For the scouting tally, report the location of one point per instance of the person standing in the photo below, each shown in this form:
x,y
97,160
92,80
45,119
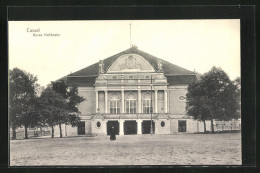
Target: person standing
x,y
112,135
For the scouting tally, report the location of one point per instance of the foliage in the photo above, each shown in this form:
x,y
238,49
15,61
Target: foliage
x,y
53,108
56,105
215,96
70,93
67,101
22,100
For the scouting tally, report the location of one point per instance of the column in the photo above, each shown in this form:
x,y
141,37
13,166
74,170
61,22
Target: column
x,y
139,102
104,129
165,101
121,127
155,100
139,126
123,101
106,102
96,101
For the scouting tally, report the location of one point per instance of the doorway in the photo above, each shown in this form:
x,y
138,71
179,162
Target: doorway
x,y
81,128
146,127
182,126
130,128
111,124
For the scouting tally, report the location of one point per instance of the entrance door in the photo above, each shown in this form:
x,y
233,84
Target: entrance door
x,y
110,124
81,128
146,127
182,126
130,127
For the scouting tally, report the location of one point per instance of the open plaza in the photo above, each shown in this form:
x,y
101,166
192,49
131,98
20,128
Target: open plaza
x,y
178,149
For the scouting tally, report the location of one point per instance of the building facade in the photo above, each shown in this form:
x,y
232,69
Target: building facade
x,y
134,92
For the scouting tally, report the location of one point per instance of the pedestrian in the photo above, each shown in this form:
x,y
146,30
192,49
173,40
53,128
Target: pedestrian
x,y
112,135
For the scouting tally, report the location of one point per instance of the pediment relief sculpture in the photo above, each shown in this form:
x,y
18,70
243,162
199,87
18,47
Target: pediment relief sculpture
x,y
130,63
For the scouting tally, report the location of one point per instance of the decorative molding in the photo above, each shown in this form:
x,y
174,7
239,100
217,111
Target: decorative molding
x,y
162,116
130,95
182,98
147,95
114,95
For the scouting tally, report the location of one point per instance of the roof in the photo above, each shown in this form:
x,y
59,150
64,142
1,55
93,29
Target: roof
x,y
168,68
175,74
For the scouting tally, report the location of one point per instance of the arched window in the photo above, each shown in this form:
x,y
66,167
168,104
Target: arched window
x,y
130,104
147,107
114,103
114,106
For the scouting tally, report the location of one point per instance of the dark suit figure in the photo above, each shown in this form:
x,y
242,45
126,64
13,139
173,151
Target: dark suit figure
x,y
113,136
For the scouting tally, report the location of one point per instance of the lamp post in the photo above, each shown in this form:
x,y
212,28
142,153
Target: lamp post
x,y
151,108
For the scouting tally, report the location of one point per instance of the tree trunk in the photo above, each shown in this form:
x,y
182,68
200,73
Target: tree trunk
x,y
60,130
25,132
14,132
212,126
204,126
52,132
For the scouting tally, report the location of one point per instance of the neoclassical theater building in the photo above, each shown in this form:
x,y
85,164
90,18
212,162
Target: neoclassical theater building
x,y
133,91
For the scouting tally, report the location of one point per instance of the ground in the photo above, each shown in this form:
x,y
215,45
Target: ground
x,y
179,149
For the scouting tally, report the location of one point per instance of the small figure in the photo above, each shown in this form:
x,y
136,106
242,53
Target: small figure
x,y
160,64
112,135
101,67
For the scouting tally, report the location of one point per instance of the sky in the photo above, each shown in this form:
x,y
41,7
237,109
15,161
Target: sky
x,y
191,44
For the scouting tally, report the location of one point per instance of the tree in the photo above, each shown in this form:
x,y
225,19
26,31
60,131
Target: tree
x,y
70,94
22,100
53,108
197,103
215,96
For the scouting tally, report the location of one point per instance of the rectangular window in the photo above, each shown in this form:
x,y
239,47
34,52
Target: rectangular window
x,y
182,125
114,106
147,108
130,106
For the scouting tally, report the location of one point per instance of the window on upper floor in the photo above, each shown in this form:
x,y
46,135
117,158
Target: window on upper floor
x,y
115,106
130,106
147,107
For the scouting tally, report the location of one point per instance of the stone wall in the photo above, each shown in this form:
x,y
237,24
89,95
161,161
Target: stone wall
x,y
175,105
191,125
102,130
88,106
162,130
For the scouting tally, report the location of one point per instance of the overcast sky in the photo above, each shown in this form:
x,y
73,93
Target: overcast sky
x,y
191,44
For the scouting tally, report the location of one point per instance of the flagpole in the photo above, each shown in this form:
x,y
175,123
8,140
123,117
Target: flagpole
x,y
130,35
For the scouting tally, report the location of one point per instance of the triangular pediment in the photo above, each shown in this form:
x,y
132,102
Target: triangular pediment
x,y
130,63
